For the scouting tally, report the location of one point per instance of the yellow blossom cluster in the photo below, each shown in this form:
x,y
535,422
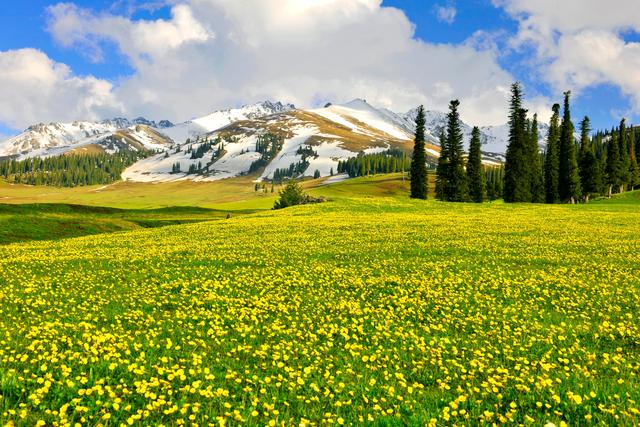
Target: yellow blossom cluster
x,y
353,312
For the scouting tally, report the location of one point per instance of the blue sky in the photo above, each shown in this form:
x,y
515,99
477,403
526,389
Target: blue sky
x,y
25,25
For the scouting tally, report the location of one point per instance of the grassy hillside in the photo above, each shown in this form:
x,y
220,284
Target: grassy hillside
x,y
378,311
629,198
55,221
233,193
228,194
49,213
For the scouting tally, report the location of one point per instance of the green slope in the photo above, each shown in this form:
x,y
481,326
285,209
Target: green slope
x,y
55,221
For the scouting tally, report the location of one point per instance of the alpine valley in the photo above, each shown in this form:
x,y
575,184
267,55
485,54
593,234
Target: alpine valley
x,y
264,139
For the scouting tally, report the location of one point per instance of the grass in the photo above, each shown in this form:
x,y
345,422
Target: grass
x,y
24,222
387,185
229,194
367,310
233,194
50,213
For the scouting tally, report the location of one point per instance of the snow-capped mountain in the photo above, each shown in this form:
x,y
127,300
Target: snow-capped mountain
x,y
308,141
219,119
58,138
263,139
494,138
110,136
121,123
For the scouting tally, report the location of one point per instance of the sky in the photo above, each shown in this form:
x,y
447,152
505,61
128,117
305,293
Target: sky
x,y
179,59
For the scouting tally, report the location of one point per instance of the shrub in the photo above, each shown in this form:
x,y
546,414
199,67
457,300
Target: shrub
x,y
293,195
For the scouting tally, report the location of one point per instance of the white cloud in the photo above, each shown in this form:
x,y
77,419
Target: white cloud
x,y
217,53
446,14
220,53
140,41
34,88
574,15
580,43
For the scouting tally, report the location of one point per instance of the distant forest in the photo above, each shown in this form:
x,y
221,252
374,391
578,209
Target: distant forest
x,y
70,170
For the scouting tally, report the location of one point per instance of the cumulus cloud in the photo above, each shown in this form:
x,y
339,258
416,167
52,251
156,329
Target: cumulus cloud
x,y
580,43
446,14
34,88
140,41
217,53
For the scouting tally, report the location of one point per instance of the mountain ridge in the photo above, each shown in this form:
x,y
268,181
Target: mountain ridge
x,y
225,143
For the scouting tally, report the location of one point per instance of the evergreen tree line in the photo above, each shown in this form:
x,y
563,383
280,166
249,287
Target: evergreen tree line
x,y
569,171
494,178
615,153
294,170
268,145
453,184
206,147
195,168
523,170
389,161
307,151
70,170
457,180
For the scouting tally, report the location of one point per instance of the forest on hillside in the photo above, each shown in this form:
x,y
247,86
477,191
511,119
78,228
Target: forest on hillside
x,y
70,170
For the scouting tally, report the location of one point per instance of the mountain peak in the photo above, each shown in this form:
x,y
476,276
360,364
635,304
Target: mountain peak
x,y
277,106
357,103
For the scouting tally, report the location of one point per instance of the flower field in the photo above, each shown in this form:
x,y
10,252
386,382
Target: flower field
x,y
364,311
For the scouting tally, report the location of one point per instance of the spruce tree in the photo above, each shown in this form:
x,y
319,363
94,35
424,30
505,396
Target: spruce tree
x,y
475,171
625,163
569,177
590,176
456,189
517,181
612,168
537,184
441,169
419,161
552,158
634,171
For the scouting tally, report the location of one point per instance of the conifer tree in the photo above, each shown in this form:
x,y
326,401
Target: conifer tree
x,y
495,182
590,176
625,163
552,158
419,161
613,164
517,181
537,184
475,171
634,171
441,169
456,188
569,177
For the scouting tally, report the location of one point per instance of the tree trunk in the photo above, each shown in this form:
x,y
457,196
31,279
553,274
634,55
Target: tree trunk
x,y
610,190
622,189
586,198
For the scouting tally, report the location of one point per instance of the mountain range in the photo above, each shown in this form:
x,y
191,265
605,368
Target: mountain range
x,y
226,143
